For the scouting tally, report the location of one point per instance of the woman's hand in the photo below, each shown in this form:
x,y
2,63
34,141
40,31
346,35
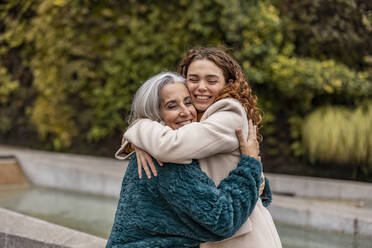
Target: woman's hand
x,y
262,186
144,160
250,146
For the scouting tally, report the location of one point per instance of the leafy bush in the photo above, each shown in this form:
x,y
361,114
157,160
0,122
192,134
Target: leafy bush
x,y
340,135
289,86
88,58
332,29
69,68
7,88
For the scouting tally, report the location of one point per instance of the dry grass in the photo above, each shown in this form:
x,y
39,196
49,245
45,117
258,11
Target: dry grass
x,y
339,135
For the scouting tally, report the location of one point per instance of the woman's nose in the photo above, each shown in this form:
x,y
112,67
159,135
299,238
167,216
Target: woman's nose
x,y
202,86
185,111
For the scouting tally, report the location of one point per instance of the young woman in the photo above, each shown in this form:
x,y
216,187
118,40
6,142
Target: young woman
x,y
223,99
181,207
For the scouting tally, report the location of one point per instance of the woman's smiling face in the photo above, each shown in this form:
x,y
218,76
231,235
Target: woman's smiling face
x,y
205,80
176,108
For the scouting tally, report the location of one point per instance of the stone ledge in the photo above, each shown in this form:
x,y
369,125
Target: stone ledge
x,y
319,187
11,173
89,174
322,216
17,231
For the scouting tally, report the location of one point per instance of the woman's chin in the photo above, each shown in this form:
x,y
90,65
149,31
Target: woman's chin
x,y
201,107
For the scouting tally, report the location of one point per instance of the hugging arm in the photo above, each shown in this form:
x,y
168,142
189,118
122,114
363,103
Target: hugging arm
x,y
192,141
266,196
220,211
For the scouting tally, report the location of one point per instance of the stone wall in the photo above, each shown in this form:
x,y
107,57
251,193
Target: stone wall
x,y
18,231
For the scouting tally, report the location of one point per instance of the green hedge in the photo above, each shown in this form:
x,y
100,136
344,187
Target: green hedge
x,y
336,29
69,68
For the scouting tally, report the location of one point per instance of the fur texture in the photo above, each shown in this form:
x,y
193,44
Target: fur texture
x,y
182,207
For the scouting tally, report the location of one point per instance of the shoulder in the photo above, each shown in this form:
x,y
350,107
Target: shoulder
x,y
225,105
183,175
229,113
183,171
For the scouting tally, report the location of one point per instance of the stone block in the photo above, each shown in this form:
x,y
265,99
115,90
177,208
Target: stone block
x,y
2,239
11,173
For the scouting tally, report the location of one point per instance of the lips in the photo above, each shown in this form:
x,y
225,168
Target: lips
x,y
182,123
202,98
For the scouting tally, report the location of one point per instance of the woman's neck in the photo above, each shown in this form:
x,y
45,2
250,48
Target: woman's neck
x,y
199,115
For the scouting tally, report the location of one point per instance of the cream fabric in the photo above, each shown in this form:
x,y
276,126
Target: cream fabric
x,y
214,143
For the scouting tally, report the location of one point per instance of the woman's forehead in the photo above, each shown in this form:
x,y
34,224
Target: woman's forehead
x,y
204,67
174,90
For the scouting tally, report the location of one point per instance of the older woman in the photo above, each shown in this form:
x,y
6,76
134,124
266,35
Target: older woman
x,y
181,207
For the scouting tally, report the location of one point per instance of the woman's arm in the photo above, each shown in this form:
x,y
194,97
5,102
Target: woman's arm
x,y
220,211
266,196
215,134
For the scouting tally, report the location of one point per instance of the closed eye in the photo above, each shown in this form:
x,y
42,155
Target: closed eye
x,y
187,100
212,79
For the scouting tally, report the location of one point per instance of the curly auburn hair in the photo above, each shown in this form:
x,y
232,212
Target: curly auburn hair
x,y
236,86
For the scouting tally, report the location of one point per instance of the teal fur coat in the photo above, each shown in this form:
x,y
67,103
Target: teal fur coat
x,y
182,207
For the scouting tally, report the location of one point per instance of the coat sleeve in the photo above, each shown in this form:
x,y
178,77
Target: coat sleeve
x,y
215,134
266,196
220,211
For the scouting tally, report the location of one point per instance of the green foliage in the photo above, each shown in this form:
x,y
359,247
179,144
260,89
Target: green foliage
x,y
340,135
144,51
288,86
69,68
88,58
338,29
255,30
310,79
7,88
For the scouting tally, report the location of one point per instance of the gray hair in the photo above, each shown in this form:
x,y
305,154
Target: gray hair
x,y
146,102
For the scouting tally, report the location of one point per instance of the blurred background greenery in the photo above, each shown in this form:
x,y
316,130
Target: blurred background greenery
x,y
69,69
